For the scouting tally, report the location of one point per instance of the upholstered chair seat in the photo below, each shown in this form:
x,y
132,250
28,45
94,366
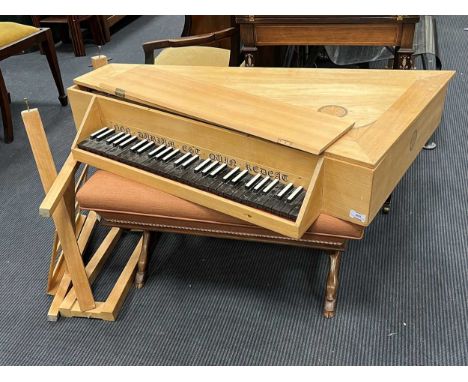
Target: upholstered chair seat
x,y
12,32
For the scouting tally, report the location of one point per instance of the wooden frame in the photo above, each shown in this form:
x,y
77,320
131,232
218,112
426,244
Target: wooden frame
x,y
44,39
215,39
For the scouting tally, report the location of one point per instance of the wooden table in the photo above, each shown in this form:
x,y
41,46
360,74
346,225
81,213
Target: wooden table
x,y
396,31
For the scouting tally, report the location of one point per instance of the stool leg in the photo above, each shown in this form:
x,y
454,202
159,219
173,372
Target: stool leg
x,y
332,284
140,276
386,205
6,111
49,49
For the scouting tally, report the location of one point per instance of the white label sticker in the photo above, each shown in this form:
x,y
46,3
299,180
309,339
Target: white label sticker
x,y
356,215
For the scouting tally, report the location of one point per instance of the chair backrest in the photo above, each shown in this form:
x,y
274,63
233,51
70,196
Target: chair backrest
x,y
217,39
193,56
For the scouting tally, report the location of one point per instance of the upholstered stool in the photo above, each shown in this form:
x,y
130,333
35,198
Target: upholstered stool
x,y
194,56
124,203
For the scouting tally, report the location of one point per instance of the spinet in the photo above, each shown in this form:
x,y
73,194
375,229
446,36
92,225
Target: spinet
x,y
275,147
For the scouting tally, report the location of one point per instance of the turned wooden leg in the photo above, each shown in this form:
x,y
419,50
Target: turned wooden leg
x,y
250,56
148,239
332,284
403,59
6,111
49,49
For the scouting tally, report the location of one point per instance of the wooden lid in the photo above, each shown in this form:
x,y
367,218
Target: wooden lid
x,y
160,87
287,104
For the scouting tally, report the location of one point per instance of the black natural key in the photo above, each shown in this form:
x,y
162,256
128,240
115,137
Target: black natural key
x,y
273,203
213,181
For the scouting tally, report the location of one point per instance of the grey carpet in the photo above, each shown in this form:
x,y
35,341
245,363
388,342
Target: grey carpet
x,y
404,287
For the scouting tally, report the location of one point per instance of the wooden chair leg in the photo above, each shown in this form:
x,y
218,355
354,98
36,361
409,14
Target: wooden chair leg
x,y
104,28
6,111
36,21
49,49
76,36
332,284
96,30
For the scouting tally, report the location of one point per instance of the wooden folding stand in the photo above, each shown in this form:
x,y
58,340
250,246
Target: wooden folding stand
x,y
73,231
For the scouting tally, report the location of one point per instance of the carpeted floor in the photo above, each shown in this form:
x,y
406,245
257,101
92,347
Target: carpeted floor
x,y
404,287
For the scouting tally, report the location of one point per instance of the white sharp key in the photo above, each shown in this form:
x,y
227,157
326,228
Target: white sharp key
x,y
96,133
270,186
294,193
239,176
170,155
127,141
151,153
209,167
251,182
217,169
284,190
116,142
145,147
202,164
114,137
163,153
182,158
190,161
261,183
230,173
105,134
139,144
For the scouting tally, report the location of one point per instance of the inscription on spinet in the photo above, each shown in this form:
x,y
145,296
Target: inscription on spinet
x,y
254,169
119,128
190,149
223,159
231,162
156,139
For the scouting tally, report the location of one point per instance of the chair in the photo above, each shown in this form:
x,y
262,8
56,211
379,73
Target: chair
x,y
14,39
199,50
73,26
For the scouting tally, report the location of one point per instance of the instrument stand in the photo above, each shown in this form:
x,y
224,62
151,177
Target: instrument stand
x,y
69,281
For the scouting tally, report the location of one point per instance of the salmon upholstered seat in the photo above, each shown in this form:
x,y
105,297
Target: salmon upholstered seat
x,y
123,202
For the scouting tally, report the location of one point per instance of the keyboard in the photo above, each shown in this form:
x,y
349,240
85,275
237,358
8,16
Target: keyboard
x,y
234,183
